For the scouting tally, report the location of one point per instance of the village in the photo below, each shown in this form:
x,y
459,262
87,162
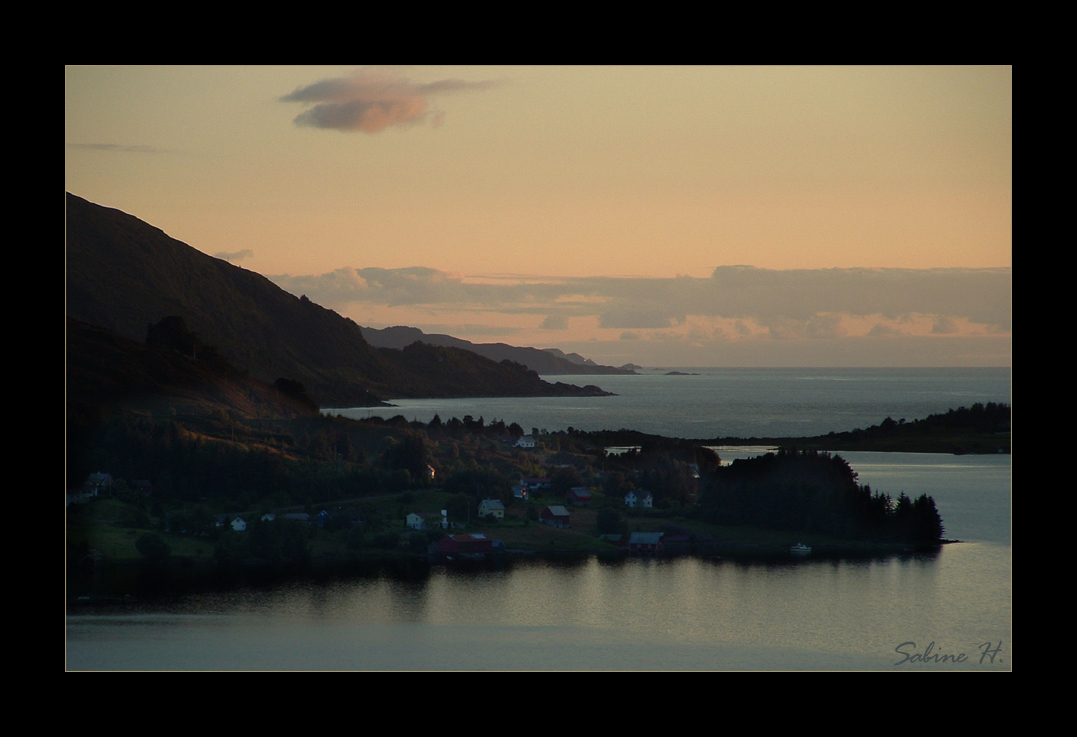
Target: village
x,y
535,519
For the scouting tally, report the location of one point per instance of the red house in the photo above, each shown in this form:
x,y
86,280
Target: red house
x,y
556,516
464,544
646,542
579,496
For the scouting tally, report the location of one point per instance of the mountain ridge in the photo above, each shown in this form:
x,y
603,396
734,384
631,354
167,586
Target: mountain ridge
x,y
546,361
124,274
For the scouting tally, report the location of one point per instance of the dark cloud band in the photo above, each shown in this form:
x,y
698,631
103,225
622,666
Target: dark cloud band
x,y
810,298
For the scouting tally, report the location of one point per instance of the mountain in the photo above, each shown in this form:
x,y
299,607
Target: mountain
x,y
124,275
549,361
106,370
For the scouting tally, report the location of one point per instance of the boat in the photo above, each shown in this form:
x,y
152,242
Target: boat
x,y
800,549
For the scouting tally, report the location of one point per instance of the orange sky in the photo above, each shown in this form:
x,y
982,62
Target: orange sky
x,y
560,172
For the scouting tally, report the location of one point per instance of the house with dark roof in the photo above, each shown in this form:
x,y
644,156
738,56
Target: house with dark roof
x,y
645,542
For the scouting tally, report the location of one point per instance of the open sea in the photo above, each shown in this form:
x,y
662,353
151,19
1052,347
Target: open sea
x,y
946,611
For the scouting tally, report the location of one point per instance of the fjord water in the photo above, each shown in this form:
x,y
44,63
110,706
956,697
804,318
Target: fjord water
x,y
677,614
712,403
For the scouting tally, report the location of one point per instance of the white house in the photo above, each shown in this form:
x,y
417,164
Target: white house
x,y
644,499
239,524
492,507
525,441
414,521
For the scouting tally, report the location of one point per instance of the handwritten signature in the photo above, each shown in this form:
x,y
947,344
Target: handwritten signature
x,y
932,654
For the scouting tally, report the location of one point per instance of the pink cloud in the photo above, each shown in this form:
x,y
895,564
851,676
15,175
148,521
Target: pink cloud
x,y
372,101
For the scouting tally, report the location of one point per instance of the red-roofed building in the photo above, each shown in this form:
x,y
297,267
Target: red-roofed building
x,y
463,544
556,516
579,496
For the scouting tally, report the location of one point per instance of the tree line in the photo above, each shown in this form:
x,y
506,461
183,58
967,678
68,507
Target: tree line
x,y
814,492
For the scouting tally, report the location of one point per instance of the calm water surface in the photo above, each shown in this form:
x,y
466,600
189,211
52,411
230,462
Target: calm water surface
x,y
682,614
730,402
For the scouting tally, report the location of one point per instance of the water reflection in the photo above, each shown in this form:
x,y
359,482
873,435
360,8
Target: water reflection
x,y
649,614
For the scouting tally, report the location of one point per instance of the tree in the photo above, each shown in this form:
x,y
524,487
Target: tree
x,y
609,521
480,484
564,479
265,541
459,507
616,486
409,454
928,523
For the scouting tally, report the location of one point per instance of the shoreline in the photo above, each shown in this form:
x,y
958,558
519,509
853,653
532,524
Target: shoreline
x,y
135,582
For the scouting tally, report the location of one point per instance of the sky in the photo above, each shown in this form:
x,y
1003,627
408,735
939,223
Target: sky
x,y
663,216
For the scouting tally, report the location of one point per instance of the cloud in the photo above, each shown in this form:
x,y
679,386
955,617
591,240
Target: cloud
x,y
373,101
944,326
234,256
883,331
825,326
117,147
981,295
627,318
895,351
749,302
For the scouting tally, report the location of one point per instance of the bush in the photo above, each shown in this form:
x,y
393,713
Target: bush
x,y
387,541
610,522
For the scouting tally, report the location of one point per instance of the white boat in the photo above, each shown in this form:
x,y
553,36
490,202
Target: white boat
x,y
800,549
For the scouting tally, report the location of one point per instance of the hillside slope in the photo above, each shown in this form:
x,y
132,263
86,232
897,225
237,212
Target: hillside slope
x,y
545,361
124,274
